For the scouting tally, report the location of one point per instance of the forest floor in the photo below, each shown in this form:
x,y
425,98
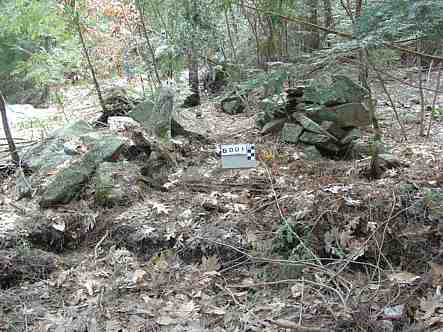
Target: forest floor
x,y
299,245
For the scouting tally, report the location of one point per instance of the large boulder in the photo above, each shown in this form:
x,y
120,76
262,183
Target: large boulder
x,y
51,153
68,180
344,116
155,117
342,90
184,123
291,133
71,130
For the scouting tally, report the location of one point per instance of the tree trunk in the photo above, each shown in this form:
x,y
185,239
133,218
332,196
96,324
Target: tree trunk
x,y
231,42
88,59
192,53
312,42
363,68
12,149
329,18
193,75
148,42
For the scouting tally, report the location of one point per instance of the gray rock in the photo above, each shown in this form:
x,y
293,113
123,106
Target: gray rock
x,y
352,135
66,184
47,155
346,115
106,148
142,112
333,129
232,105
71,148
291,133
352,115
360,148
116,184
342,90
121,123
314,139
183,123
273,126
73,129
155,117
312,126
312,153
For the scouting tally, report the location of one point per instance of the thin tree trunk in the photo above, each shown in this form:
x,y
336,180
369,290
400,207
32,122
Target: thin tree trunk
x,y
231,42
88,59
385,89
148,41
12,149
313,40
194,84
193,75
434,101
329,18
363,68
421,115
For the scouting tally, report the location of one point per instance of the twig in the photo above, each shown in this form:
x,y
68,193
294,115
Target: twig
x,y
351,258
291,281
295,327
227,290
284,219
301,301
383,85
99,244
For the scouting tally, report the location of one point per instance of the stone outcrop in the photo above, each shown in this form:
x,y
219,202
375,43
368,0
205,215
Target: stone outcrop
x,y
325,117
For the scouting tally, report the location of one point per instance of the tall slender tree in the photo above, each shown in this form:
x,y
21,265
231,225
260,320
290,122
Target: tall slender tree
x,y
11,145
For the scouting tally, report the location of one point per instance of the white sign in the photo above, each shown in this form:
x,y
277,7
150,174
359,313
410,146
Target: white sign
x,y
238,156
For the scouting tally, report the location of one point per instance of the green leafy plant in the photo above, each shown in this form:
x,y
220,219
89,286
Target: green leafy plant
x,y
437,113
288,240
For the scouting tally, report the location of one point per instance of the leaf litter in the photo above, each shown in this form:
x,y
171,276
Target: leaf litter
x,y
291,245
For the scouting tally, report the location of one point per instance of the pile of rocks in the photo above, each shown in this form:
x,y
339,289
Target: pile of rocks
x,y
117,103
326,118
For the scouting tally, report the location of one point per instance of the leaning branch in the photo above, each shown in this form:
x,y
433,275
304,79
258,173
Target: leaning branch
x,y
342,34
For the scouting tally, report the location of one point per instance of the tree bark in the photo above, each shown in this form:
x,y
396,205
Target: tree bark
x,y
194,84
329,18
363,68
313,40
12,148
